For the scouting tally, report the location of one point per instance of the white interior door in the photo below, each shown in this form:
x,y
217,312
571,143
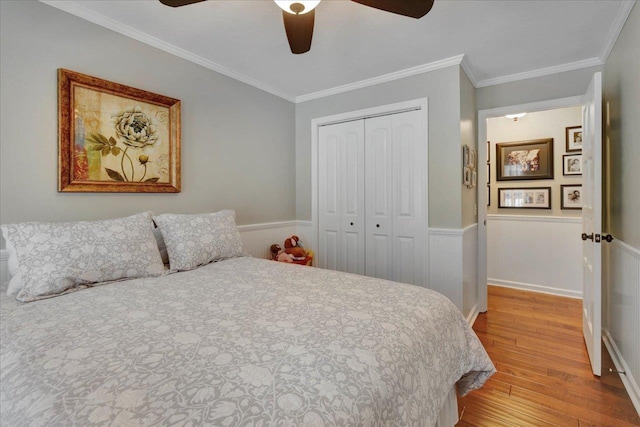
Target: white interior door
x,y
341,217
395,168
592,221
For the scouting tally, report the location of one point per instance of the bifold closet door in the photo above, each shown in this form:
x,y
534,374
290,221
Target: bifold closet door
x,y
395,197
341,197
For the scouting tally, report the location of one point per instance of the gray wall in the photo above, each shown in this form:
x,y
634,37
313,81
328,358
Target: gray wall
x,y
468,133
622,100
555,86
442,87
237,141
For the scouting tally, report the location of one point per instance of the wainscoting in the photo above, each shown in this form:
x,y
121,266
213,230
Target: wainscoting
x,y
621,299
535,253
453,266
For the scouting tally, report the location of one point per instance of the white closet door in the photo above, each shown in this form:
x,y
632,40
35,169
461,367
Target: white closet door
x,y
378,197
341,197
395,197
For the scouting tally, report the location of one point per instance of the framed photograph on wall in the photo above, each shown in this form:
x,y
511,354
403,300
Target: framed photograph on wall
x,y
114,138
525,198
572,164
574,138
466,177
524,160
570,197
466,156
488,195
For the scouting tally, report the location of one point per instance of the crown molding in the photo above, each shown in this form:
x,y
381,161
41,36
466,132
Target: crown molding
x,y
396,75
466,66
586,63
616,29
76,9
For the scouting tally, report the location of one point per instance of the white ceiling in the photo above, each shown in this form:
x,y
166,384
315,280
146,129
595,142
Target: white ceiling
x,y
354,45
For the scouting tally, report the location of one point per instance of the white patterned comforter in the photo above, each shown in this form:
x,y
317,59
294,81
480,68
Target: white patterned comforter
x,y
238,342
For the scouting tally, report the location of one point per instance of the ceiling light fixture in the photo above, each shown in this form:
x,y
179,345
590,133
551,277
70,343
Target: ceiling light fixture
x,y
515,117
299,7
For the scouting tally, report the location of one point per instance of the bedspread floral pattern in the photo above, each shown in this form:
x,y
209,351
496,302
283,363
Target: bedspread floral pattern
x,y
239,342
198,239
61,257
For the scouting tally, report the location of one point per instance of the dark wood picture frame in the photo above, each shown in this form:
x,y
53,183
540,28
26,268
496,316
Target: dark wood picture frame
x,y
114,138
524,198
572,164
573,138
570,196
524,160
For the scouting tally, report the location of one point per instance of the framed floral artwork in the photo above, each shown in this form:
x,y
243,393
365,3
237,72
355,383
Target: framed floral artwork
x,y
524,160
116,138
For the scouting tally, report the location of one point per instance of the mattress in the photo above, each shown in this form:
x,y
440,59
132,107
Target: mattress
x,y
243,341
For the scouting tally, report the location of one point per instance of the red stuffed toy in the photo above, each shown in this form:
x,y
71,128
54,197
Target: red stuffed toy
x,y
295,249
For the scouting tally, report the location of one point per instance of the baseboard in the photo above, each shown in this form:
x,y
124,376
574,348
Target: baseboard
x,y
535,288
630,384
473,315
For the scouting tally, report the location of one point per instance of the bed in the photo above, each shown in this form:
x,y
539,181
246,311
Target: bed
x,y
237,341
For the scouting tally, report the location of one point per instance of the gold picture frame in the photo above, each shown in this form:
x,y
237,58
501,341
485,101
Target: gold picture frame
x,y
114,138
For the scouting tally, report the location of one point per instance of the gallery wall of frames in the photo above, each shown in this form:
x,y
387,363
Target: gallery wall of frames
x,y
534,163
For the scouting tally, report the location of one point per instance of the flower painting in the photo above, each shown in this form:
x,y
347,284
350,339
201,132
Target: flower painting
x,y
114,138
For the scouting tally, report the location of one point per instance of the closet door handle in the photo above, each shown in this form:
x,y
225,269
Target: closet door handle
x,y
377,225
351,223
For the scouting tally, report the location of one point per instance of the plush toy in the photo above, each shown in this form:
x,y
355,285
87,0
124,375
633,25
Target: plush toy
x,y
277,254
293,247
275,251
284,257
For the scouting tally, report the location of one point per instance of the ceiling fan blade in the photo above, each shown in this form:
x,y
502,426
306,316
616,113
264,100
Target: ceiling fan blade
x,y
178,3
299,30
412,8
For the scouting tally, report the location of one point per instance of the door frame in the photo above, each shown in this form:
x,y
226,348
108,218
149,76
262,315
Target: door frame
x,y
421,104
483,115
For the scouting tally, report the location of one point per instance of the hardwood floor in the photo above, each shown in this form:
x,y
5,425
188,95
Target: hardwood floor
x,y
544,377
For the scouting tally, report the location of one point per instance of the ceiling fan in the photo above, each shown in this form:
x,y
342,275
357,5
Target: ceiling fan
x,y
299,15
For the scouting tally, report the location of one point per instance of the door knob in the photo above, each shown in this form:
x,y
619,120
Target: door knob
x,y
586,236
377,225
607,237
351,223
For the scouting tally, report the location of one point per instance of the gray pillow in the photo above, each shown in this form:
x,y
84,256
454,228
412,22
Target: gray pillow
x,y
195,240
56,258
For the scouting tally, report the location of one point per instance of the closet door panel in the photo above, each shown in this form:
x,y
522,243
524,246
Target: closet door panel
x,y
352,197
328,198
341,197
409,193
378,170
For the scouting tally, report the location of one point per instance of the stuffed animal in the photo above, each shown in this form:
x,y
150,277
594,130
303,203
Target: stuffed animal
x,y
277,254
275,251
284,257
293,247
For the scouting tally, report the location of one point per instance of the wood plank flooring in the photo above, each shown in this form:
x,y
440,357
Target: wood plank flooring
x,y
544,377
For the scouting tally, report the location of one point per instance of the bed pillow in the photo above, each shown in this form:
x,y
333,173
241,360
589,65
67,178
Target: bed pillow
x,y
195,240
56,258
161,246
